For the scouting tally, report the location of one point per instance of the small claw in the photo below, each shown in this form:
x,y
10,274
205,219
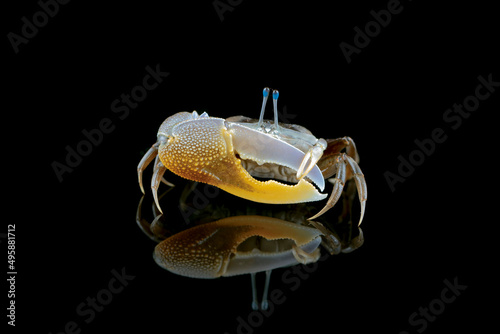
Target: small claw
x,y
311,158
145,161
338,186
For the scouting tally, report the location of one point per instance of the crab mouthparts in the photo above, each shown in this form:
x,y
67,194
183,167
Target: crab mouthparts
x,y
264,148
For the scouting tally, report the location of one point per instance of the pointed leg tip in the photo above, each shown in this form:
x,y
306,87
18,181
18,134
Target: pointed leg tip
x,y
315,216
155,195
139,177
363,204
170,184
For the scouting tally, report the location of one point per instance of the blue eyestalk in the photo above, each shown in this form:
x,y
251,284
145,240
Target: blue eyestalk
x,y
265,94
276,93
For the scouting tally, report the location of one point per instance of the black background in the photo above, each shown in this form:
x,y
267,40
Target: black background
x,y
436,225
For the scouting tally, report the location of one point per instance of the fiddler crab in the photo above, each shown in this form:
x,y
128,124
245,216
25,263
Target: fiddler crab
x,y
227,153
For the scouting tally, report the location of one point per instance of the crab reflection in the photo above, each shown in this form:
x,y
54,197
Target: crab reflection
x,y
221,241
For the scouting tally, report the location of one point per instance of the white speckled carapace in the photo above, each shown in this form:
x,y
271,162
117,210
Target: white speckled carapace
x,y
238,245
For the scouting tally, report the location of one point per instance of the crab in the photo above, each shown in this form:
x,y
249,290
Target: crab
x,y
229,153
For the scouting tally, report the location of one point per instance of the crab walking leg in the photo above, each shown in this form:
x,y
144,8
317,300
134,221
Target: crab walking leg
x,y
355,243
159,170
330,154
170,184
333,149
145,161
338,185
359,178
351,149
334,246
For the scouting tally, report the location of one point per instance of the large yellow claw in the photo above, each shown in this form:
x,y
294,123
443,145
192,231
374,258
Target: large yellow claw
x,y
201,149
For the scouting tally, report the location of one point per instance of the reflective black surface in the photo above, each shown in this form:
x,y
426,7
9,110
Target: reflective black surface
x,y
87,93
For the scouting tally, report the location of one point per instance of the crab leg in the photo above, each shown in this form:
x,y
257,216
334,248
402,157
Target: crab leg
x,y
145,161
159,170
351,149
338,185
334,147
339,181
334,246
359,178
355,243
